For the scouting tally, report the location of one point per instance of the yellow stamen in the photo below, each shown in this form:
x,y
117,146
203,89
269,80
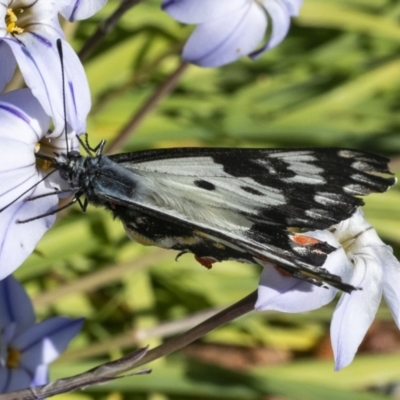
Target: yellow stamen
x,y
13,356
46,164
11,22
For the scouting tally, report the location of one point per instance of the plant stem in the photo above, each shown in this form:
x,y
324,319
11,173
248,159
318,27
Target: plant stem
x,y
105,28
178,342
113,369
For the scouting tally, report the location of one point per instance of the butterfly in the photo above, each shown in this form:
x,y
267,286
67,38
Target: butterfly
x,y
249,205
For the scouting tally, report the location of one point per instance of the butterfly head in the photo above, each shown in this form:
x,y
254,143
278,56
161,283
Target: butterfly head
x,y
70,166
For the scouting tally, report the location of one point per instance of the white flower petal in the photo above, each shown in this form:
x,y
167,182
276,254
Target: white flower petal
x,y
356,311
45,29
74,10
34,12
391,280
199,11
222,41
17,170
24,124
355,227
44,342
17,241
7,65
293,6
39,62
15,306
22,118
3,11
280,18
287,294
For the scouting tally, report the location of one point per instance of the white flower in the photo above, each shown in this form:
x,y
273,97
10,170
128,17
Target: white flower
x,y
229,29
28,34
376,272
363,261
74,10
23,128
27,348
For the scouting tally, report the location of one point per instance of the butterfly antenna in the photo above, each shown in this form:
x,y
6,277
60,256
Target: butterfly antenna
x,y
60,53
27,190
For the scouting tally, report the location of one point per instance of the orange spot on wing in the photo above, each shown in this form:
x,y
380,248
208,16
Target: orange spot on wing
x,y
304,240
205,261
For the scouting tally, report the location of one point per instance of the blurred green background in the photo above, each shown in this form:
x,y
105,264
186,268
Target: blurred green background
x,y
334,81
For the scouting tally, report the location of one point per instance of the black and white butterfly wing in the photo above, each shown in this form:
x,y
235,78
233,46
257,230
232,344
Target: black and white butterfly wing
x,y
305,188
242,200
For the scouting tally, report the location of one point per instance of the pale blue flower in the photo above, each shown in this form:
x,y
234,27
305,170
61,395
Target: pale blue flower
x,y
362,260
28,34
27,348
229,29
23,129
74,10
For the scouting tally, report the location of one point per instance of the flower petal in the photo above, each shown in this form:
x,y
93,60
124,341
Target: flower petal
x,y
199,11
293,6
36,13
17,170
391,280
355,232
4,379
80,9
219,42
3,13
280,18
22,118
15,306
24,123
356,311
41,375
17,240
18,379
39,61
287,294
7,65
44,342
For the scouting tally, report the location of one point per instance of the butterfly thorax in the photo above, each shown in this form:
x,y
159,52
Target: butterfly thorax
x,y
77,170
98,178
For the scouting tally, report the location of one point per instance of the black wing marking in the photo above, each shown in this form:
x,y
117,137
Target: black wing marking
x,y
303,188
154,227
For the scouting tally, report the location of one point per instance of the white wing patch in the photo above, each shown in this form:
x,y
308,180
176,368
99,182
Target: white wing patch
x,y
221,206
302,164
